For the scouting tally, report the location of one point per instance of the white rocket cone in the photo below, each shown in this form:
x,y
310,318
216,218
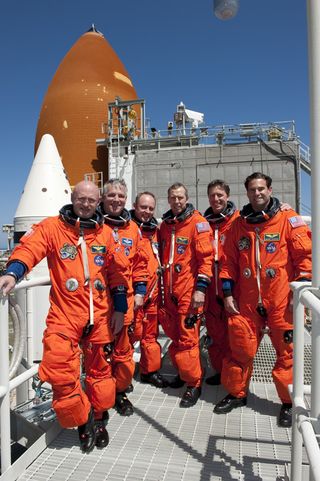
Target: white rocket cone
x,y
47,188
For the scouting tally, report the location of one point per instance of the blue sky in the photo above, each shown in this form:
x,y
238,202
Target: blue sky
x,y
250,69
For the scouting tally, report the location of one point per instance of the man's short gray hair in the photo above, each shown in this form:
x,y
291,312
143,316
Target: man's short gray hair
x,y
114,182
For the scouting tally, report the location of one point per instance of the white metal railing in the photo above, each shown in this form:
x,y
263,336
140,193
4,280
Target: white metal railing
x,y
235,133
304,151
304,428
6,386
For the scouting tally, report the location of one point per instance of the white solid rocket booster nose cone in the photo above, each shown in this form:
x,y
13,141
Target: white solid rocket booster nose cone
x,y
47,188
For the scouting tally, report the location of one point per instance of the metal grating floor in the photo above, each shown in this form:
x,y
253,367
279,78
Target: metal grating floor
x,y
162,442
266,357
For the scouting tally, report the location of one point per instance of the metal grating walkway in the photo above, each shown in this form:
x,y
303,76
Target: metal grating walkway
x,y
162,442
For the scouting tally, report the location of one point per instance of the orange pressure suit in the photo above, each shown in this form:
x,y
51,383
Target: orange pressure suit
x,y
83,269
186,246
263,253
127,239
216,319
146,318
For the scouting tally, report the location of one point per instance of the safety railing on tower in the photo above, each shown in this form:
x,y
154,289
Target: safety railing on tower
x,y
7,385
305,427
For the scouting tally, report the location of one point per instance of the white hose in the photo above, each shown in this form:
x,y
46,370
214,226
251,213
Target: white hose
x,y
19,332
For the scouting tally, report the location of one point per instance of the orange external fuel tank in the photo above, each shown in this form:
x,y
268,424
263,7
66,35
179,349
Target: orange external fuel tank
x,y
76,104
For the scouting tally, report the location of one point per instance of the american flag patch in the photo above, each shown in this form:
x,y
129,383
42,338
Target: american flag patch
x,y
203,227
296,221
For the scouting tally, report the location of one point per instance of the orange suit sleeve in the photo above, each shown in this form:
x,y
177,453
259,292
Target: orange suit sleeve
x,y
34,245
203,242
299,246
140,263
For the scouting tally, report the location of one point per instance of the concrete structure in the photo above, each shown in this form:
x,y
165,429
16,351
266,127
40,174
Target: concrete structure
x,y
195,156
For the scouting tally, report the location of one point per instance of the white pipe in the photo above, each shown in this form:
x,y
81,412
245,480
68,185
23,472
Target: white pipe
x,y
37,281
15,382
297,393
315,378
313,9
19,346
18,339
3,391
305,295
309,439
309,299
306,389
29,315
4,382
311,446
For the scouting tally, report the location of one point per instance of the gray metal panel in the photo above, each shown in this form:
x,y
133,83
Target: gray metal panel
x,y
196,166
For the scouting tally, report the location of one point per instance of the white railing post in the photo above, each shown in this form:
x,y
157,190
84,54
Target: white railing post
x,y
315,378
298,370
313,9
4,382
5,385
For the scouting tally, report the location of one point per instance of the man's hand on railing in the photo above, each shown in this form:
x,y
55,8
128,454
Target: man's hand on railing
x,y
7,283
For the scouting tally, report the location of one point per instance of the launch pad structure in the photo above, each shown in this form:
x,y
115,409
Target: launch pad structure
x,y
188,152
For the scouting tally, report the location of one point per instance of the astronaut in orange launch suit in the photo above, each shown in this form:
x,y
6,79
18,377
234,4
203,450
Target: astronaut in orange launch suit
x,y
265,250
126,239
146,326
85,275
220,215
186,247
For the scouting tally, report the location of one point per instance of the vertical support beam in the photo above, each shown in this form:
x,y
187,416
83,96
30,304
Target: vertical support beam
x,y
4,381
313,9
298,383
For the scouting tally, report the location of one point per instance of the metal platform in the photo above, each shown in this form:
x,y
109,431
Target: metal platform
x,y
163,442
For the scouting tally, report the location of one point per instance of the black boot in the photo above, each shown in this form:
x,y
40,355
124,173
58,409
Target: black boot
x,y
129,389
229,403
285,416
177,382
123,405
214,380
87,435
190,397
154,378
102,436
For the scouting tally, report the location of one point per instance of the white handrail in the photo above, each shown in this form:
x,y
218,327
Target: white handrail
x,y
302,428
5,385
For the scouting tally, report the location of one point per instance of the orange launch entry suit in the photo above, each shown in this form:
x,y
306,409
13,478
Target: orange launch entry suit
x,y
186,246
127,239
263,253
146,329
83,269
216,318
